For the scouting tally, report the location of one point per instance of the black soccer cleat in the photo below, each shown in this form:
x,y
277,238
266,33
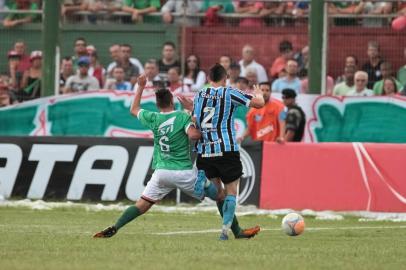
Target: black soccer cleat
x,y
106,233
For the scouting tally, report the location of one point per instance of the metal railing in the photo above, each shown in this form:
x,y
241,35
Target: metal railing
x,y
102,14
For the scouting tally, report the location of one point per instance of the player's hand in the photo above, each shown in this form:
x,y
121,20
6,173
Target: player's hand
x,y
142,80
186,102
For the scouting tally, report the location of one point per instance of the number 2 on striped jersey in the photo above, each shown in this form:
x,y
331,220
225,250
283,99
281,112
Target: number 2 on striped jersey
x,y
207,121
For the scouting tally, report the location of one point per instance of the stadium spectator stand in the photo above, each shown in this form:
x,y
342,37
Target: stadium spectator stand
x,y
353,27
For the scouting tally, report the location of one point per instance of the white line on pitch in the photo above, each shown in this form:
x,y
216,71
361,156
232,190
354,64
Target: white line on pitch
x,y
278,229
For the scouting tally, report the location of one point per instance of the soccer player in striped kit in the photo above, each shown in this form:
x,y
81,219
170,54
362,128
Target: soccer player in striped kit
x,y
172,162
218,150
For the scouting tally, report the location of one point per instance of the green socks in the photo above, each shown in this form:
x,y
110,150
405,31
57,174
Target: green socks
x,y
235,227
129,214
133,212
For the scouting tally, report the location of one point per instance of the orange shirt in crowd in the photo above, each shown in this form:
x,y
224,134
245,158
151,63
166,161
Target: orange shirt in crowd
x,y
263,124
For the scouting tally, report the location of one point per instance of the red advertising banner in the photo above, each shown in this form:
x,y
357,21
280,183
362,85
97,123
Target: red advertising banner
x,y
334,176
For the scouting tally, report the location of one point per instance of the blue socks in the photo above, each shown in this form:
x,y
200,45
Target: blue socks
x,y
210,190
228,212
199,190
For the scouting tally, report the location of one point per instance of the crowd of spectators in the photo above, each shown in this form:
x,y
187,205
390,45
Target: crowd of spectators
x,y
287,75
22,81
83,71
206,12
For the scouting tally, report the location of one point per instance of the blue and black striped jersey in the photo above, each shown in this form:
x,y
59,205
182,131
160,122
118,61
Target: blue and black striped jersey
x,y
214,110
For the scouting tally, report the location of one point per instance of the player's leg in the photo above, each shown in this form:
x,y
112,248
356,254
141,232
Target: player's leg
x,y
195,183
216,192
153,192
229,206
189,181
199,184
131,213
230,167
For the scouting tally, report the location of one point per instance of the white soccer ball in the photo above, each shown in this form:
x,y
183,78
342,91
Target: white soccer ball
x,y
293,224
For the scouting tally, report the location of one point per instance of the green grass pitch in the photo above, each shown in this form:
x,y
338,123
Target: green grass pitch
x,y
61,239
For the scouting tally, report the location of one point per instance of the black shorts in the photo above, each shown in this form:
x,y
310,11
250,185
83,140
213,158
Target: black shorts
x,y
227,167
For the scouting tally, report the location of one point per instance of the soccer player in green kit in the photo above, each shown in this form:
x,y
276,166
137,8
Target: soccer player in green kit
x,y
171,161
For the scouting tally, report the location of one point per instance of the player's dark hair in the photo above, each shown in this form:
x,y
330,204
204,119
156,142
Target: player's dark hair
x,y
164,98
217,73
169,43
265,83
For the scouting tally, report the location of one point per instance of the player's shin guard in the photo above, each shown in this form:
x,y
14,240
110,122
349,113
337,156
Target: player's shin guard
x,y
235,227
228,212
128,215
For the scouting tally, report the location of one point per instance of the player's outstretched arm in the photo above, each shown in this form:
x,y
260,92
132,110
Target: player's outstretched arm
x,y
136,106
258,100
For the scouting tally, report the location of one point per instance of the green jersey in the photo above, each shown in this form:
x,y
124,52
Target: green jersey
x,y
171,142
